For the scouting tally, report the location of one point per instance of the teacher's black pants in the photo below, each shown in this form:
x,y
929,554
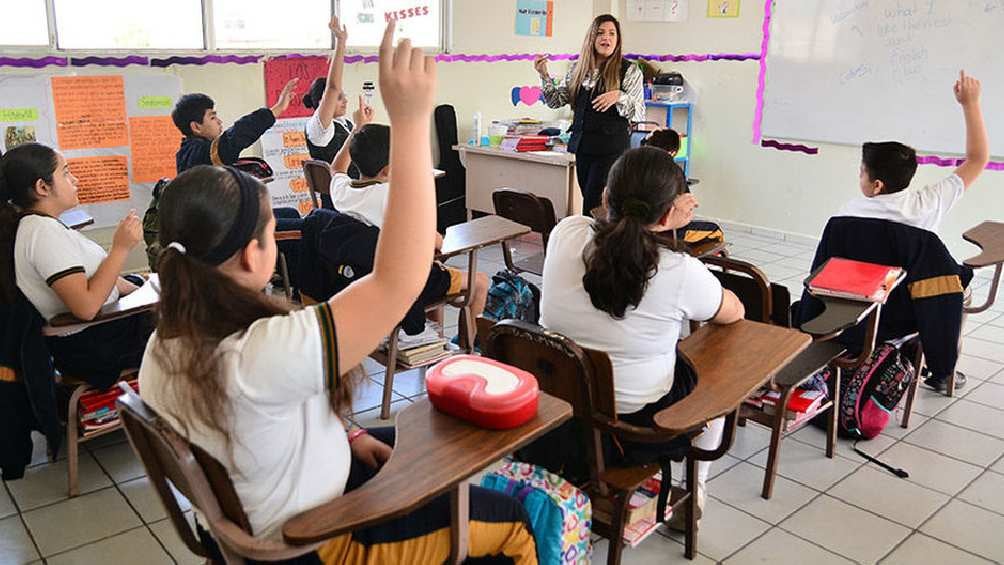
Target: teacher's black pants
x,y
591,171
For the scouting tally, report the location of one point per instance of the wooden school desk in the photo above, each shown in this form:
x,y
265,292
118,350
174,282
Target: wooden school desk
x,y
989,237
142,299
434,453
549,174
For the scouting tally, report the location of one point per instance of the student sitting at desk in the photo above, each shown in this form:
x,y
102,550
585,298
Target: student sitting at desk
x,y
886,171
611,286
368,147
60,270
263,389
328,127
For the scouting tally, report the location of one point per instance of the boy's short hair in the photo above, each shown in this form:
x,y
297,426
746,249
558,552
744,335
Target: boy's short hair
x,y
191,108
665,139
370,149
890,162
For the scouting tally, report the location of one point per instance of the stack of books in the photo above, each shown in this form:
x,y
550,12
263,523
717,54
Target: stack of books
x,y
97,408
525,143
422,349
641,511
854,280
802,406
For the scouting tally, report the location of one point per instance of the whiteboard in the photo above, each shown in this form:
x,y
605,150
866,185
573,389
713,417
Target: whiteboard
x,y
849,71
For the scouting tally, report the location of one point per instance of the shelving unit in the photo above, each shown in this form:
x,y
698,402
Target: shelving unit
x,y
663,112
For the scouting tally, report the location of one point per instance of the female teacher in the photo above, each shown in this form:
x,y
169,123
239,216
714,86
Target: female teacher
x,y
606,94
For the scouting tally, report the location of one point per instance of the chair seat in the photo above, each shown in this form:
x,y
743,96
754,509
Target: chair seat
x,y
533,264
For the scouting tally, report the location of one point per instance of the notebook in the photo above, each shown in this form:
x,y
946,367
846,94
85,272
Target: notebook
x,y
854,280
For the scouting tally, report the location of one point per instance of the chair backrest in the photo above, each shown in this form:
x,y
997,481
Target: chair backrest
x,y
169,459
763,300
579,376
318,175
535,212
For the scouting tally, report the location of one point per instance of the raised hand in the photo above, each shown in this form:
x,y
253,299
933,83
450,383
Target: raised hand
x,y
363,114
338,30
129,232
407,78
540,65
285,97
967,89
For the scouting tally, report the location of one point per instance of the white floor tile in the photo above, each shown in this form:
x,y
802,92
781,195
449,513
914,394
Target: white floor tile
x,y
998,466
722,465
120,462
655,550
778,547
724,530
987,492
847,530
989,333
371,418
976,417
45,484
983,349
758,257
930,403
15,544
989,393
164,530
143,498
741,486
970,528
749,440
930,469
134,546
809,466
895,430
81,520
7,507
816,437
409,383
889,496
919,548
957,442
975,367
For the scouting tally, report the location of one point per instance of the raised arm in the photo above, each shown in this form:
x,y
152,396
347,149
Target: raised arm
x,y
333,88
362,116
555,95
84,296
967,93
368,309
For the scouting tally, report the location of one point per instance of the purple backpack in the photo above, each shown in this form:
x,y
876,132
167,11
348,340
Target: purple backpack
x,y
869,395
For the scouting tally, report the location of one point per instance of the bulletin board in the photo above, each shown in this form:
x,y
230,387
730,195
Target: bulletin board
x,y
115,131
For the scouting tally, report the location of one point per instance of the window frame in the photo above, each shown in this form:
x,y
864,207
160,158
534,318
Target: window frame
x,y
209,39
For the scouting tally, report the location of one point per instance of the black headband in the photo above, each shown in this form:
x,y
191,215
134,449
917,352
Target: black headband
x,y
244,224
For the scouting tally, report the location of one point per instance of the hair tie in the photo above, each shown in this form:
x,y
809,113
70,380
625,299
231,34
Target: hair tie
x,y
636,208
177,247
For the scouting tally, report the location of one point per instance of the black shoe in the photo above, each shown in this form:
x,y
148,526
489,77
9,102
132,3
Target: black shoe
x,y
940,382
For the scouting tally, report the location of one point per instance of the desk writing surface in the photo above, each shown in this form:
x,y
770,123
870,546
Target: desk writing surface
x,y
480,232
732,362
989,237
556,158
142,298
433,451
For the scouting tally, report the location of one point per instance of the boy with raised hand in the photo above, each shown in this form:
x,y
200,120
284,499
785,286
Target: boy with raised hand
x,y
207,143
888,167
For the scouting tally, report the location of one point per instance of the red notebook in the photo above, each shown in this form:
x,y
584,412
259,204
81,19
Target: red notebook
x,y
856,280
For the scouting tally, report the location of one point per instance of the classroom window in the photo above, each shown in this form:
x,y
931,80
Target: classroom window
x,y
419,20
265,24
24,22
129,24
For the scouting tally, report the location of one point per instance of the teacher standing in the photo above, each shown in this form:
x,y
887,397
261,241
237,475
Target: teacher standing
x,y
606,94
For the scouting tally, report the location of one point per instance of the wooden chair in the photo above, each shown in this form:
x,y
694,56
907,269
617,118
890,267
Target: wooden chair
x,y
141,301
318,175
281,264
170,460
533,211
584,378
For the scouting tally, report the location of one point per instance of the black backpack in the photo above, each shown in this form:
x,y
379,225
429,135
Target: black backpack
x,y
151,225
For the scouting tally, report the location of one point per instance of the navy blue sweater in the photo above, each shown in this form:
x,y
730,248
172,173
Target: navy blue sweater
x,y
225,149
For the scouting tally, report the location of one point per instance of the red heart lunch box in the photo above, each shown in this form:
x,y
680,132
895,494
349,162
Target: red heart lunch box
x,y
483,391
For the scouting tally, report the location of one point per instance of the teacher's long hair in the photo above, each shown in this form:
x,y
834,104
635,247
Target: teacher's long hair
x,y
610,69
624,255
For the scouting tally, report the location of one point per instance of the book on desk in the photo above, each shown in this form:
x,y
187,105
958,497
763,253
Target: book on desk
x,y
854,280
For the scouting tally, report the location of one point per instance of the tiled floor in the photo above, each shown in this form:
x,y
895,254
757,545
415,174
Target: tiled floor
x,y
950,510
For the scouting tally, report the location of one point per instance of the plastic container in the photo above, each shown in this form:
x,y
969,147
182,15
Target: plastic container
x,y
483,391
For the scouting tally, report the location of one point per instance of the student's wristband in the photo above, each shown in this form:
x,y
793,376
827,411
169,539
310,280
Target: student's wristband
x,y
356,433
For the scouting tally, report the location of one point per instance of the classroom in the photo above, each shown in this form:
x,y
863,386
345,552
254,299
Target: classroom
x,y
552,281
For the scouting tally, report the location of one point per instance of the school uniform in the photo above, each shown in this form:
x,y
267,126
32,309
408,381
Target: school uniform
x,y
642,345
46,251
922,208
225,149
289,451
598,138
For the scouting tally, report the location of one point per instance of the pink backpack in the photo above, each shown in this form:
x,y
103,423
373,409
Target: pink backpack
x,y
869,395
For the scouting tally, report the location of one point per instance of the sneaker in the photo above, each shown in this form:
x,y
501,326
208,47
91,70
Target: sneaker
x,y
939,383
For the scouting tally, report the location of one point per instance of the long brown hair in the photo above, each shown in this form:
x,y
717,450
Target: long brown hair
x,y
20,170
610,69
200,306
624,255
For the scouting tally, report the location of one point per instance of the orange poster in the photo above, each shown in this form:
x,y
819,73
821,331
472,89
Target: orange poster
x,y
101,179
155,140
90,111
